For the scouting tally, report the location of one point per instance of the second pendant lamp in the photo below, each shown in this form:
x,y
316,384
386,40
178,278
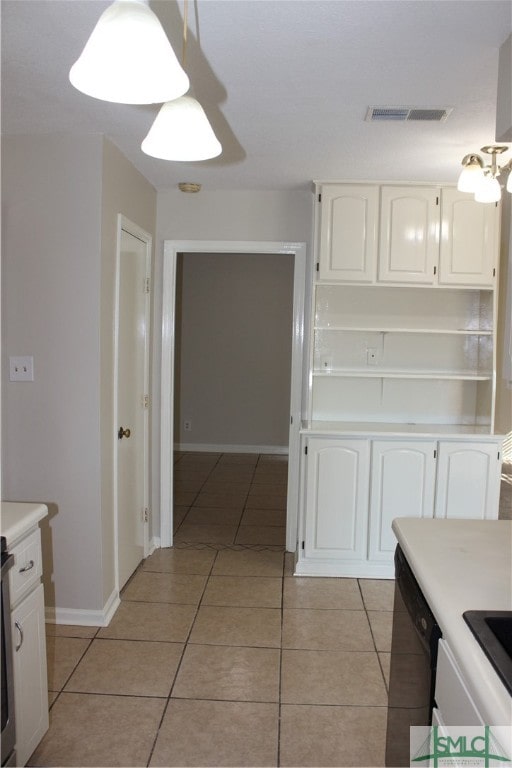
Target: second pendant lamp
x,y
181,130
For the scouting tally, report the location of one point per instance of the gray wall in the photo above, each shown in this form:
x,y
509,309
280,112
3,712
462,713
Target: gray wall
x,y
61,196
233,350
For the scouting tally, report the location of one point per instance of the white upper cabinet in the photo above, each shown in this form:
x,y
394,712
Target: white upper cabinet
x,y
409,234
406,235
469,240
348,232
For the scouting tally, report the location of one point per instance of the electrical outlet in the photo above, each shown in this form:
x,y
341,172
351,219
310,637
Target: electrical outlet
x,y
371,356
188,426
21,368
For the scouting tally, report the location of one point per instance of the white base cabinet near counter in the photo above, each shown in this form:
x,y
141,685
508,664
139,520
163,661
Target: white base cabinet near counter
x,y
29,645
356,486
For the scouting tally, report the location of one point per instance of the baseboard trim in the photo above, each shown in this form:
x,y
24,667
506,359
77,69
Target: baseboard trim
x,y
84,618
221,448
154,544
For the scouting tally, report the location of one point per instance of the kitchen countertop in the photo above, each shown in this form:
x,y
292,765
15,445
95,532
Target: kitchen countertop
x,y
464,565
19,517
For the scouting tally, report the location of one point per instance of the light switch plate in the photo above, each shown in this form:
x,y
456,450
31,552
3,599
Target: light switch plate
x,y
21,368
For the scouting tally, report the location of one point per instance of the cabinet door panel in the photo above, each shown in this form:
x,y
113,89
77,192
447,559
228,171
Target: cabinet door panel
x,y
348,233
469,240
402,485
409,234
468,478
337,498
30,680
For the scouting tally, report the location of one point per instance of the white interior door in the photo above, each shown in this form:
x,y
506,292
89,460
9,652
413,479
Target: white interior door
x,y
132,403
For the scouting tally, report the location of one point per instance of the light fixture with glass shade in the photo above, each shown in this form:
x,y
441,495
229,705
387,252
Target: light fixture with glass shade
x,y
128,58
482,180
181,130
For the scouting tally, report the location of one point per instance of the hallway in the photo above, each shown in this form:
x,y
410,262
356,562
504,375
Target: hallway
x,y
218,656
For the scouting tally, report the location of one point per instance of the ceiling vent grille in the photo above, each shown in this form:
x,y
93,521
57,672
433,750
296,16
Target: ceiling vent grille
x,y
406,114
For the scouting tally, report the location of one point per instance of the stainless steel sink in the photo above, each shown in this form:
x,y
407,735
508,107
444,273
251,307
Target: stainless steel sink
x,y
493,631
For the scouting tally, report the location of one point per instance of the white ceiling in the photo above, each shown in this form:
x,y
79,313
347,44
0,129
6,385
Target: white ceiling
x,y
286,85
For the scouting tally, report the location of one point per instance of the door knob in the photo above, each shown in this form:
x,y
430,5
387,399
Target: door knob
x,y
123,433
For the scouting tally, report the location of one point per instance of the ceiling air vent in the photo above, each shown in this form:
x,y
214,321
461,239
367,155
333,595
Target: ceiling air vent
x,y
405,114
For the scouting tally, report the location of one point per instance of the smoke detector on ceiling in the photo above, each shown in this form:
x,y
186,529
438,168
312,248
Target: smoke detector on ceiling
x,y
407,114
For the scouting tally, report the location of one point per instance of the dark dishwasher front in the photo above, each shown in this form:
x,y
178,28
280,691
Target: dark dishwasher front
x,y
413,663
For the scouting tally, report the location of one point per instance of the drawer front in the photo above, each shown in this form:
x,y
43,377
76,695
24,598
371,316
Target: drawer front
x,y
454,701
27,569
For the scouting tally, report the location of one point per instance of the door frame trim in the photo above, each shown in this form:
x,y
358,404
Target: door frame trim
x,y
124,224
171,250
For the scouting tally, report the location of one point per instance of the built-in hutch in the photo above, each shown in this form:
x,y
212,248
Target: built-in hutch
x,y
402,370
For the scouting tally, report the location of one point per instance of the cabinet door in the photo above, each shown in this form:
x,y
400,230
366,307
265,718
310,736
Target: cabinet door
x,y
402,485
409,234
337,498
30,680
348,233
468,480
469,240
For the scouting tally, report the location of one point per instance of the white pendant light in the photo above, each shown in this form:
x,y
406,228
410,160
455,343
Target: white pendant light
x,y
181,131
471,174
488,190
128,58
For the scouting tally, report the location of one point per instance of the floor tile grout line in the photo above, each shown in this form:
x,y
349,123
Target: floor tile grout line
x,y
195,497
280,681
185,646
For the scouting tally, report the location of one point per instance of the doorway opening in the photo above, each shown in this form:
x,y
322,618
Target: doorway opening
x,y
232,365
168,382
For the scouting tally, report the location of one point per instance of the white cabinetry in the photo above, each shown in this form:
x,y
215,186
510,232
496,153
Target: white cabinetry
x,y
400,418
29,645
349,233
337,498
409,234
357,485
402,485
469,476
469,240
406,235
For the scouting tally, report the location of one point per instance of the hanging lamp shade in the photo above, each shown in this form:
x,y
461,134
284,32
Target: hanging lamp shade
x,y
488,190
128,58
181,131
471,175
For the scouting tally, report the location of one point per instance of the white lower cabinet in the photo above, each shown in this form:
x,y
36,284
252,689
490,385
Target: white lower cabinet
x,y
353,487
468,480
28,644
337,498
402,485
30,680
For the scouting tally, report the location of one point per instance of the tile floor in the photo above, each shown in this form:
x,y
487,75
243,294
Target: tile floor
x,y
217,655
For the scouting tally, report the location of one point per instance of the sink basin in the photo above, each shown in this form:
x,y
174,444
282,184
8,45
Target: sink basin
x,y
493,631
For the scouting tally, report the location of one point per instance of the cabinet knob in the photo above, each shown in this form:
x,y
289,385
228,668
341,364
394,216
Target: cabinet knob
x,y
123,433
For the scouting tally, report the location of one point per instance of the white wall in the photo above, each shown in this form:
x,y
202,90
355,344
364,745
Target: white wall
x,y
51,190
61,198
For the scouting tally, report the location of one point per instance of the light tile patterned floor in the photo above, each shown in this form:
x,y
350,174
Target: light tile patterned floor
x,y
218,656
